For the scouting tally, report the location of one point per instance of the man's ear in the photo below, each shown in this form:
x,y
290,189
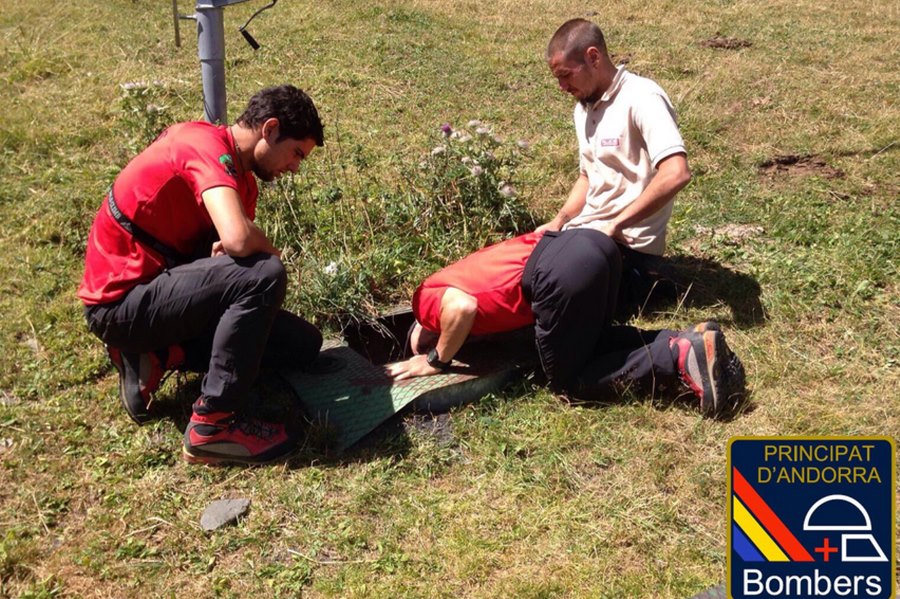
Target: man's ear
x,y
270,129
592,55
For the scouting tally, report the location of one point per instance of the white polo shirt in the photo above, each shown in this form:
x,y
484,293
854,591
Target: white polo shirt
x,y
622,138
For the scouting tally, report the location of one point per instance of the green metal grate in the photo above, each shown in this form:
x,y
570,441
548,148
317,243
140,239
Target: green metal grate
x,y
357,398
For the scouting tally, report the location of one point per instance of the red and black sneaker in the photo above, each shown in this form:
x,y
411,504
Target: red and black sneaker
x,y
140,375
225,437
709,368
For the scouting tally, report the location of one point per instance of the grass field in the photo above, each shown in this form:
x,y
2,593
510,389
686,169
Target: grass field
x,y
791,226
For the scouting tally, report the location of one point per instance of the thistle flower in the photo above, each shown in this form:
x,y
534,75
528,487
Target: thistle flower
x,y
507,190
482,131
476,170
446,129
523,143
133,85
474,123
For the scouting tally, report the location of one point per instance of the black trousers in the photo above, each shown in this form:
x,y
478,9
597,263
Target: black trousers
x,y
225,313
572,279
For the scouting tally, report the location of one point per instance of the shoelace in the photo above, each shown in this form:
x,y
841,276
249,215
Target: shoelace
x,y
255,428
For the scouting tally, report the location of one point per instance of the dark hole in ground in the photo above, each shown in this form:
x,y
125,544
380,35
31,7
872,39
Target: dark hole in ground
x,y
384,340
797,164
721,42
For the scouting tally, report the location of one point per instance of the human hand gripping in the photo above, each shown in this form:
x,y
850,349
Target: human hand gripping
x,y
613,231
553,225
415,366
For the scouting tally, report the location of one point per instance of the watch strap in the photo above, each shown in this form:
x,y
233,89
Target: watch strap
x,y
434,360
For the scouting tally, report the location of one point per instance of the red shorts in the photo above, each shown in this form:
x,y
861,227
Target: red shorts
x,y
493,275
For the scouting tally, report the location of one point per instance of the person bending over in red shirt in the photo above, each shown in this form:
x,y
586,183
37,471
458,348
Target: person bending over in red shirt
x,y
490,291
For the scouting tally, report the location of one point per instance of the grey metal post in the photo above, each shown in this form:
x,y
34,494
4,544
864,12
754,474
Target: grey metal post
x,y
211,48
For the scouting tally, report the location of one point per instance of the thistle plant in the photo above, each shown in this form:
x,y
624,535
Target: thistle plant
x,y
364,240
468,179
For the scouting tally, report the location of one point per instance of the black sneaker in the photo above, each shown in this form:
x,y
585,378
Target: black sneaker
x,y
709,368
140,375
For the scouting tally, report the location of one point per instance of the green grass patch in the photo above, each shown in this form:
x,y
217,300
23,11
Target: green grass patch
x,y
533,497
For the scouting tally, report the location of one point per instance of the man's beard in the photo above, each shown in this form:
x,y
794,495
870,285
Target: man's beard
x,y
590,100
263,175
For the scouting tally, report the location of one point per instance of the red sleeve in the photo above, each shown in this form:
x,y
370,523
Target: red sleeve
x,y
206,166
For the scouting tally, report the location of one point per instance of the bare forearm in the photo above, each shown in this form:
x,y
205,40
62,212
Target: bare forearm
x,y
238,235
673,175
458,311
572,207
257,242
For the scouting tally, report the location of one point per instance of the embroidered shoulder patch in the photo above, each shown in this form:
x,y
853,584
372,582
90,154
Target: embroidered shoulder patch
x,y
226,161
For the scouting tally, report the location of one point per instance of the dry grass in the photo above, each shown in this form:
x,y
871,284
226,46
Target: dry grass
x,y
535,498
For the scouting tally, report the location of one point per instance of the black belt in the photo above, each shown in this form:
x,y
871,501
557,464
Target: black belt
x,y
173,257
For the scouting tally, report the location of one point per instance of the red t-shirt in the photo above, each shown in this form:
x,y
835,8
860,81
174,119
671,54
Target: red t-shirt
x,y
159,191
493,275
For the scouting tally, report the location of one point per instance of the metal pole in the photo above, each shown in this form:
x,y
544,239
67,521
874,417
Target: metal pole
x,y
175,18
211,48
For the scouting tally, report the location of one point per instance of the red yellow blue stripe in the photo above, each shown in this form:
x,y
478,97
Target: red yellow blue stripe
x,y
763,515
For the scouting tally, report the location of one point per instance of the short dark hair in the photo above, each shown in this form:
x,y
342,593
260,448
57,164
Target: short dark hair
x,y
574,37
297,115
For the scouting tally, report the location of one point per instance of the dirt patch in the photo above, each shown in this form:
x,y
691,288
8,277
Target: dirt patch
x,y
793,164
721,42
438,426
8,399
731,233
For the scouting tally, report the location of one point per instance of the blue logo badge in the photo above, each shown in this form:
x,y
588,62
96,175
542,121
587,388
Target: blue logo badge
x,y
811,517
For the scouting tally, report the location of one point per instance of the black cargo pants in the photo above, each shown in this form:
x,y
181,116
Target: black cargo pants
x,y
572,279
224,312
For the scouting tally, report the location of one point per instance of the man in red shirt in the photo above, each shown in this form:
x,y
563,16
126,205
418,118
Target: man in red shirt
x,y
177,274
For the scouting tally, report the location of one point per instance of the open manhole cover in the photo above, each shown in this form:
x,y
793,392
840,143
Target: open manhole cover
x,y
354,399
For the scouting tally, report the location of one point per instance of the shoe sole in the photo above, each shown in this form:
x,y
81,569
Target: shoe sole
x,y
709,325
197,456
714,352
732,390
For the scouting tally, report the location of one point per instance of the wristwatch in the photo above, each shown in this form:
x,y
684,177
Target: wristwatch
x,y
434,360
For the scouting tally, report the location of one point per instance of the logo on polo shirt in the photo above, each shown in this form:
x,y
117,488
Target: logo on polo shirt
x,y
609,142
811,517
226,161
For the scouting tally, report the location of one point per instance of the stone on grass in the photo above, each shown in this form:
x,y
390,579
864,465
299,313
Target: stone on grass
x,y
222,512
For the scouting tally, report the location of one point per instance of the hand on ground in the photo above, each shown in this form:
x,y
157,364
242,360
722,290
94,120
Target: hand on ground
x,y
415,366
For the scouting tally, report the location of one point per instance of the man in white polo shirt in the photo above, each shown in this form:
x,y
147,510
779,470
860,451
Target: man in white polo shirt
x,y
632,163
